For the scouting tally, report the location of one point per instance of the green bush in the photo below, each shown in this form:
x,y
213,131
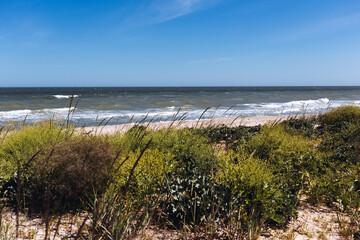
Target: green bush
x,y
19,146
189,184
339,118
132,197
188,148
149,173
229,134
340,146
256,195
52,168
299,126
294,158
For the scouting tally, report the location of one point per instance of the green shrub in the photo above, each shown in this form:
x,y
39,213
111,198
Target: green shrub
x,y
149,173
341,130
229,134
339,118
188,148
137,137
299,126
340,146
293,157
256,195
133,195
189,185
21,145
51,168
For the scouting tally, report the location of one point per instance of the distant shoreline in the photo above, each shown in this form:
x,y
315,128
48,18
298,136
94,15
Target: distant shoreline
x,y
216,122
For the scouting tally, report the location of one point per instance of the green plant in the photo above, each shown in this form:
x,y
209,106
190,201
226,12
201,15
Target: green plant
x,y
20,145
229,134
300,126
54,171
294,158
339,118
257,195
129,202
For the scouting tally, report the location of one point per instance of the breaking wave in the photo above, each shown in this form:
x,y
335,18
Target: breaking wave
x,y
90,116
64,96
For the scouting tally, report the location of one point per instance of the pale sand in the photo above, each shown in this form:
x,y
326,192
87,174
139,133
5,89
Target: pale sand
x,y
231,122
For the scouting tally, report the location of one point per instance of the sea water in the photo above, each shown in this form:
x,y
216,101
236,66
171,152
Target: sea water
x,y
118,105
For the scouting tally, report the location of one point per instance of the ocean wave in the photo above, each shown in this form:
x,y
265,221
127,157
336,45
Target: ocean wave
x,y
320,101
90,116
54,110
64,96
14,114
19,115
297,107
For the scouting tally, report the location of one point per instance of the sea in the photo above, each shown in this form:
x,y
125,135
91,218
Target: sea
x,y
92,106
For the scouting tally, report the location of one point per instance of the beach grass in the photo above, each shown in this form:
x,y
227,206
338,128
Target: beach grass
x,y
206,179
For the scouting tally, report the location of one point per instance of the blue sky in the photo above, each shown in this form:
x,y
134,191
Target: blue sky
x,y
179,42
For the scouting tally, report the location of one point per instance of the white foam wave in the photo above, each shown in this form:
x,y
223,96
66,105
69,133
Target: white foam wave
x,y
64,96
14,114
165,114
301,103
54,110
19,115
297,107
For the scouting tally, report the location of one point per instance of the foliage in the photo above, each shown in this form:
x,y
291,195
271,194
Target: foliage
x,y
183,177
294,158
21,145
65,175
299,126
149,173
229,134
187,147
341,147
339,118
130,200
189,184
72,171
256,195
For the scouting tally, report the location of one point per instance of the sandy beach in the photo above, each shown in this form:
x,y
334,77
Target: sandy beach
x,y
216,122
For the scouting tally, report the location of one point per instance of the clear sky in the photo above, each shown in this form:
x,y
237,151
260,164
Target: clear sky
x,y
179,42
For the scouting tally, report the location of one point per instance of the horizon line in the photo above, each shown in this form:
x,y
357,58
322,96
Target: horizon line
x,y
198,86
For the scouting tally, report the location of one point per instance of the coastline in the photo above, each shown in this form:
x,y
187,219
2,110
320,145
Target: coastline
x,y
202,123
